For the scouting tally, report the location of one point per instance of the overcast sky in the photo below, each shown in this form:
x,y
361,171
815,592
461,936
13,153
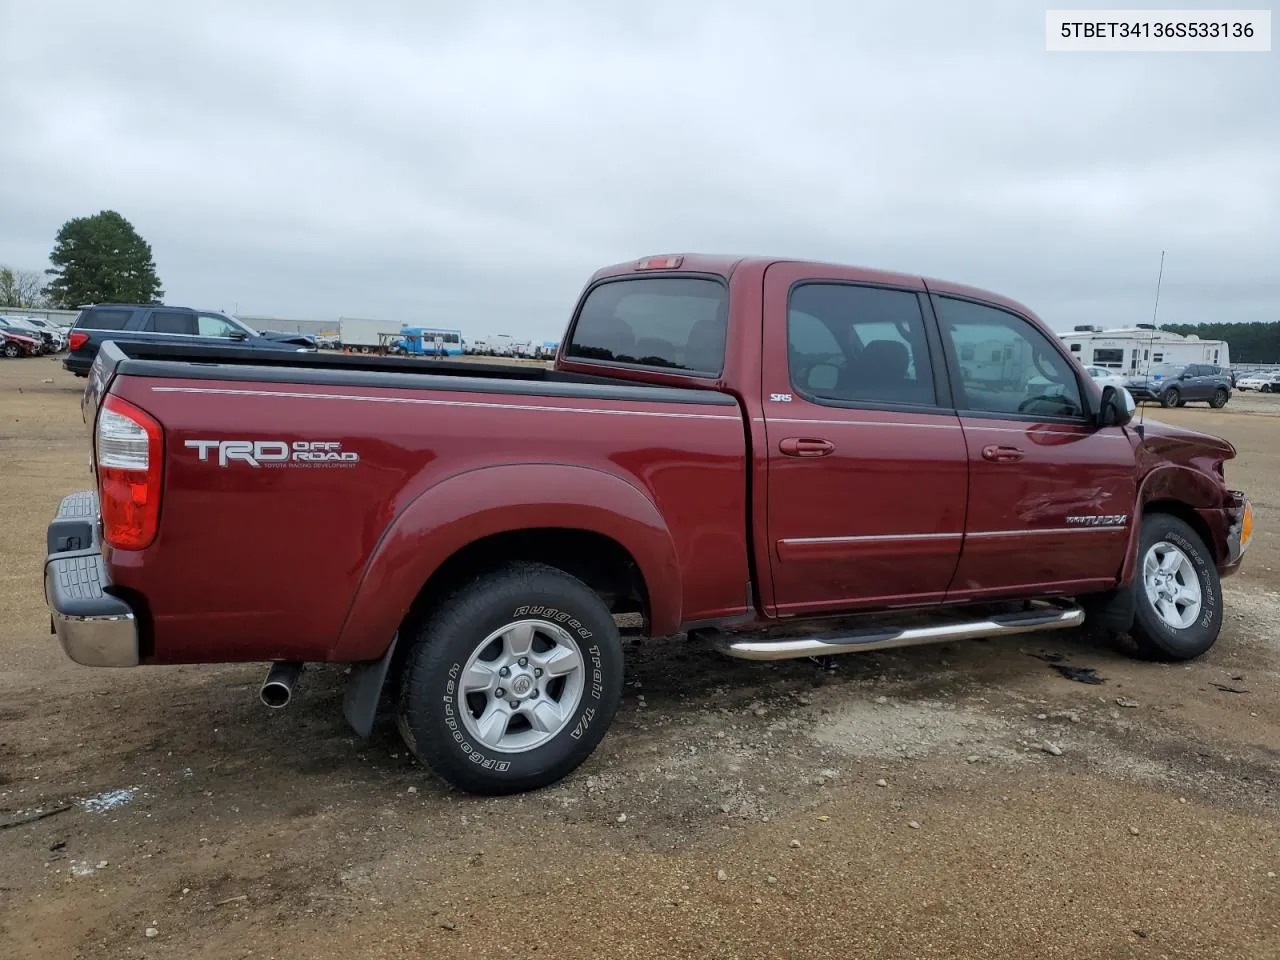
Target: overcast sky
x,y
469,164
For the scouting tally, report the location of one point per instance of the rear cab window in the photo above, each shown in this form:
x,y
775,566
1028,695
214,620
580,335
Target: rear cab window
x,y
669,323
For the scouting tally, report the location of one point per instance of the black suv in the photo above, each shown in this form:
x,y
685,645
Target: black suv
x,y
1175,386
154,323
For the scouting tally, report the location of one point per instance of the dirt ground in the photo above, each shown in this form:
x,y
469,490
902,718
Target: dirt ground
x,y
903,806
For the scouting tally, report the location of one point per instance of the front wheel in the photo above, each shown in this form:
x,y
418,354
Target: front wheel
x,y
1171,398
11,350
1178,595
1219,399
512,681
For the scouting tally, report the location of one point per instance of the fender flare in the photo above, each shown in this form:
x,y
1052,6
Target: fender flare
x,y
469,506
1185,485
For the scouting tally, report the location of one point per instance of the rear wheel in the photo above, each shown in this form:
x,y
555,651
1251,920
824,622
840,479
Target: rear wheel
x,y
1171,398
512,681
1178,595
1219,399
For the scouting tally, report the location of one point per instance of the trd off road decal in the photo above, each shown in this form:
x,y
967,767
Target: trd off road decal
x,y
274,453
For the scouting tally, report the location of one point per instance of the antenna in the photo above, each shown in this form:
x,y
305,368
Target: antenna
x,y
1151,341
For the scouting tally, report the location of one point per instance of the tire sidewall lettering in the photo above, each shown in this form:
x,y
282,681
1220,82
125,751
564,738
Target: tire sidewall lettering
x,y
1192,640
449,702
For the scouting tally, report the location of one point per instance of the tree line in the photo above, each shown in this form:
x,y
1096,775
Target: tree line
x,y
1256,342
97,259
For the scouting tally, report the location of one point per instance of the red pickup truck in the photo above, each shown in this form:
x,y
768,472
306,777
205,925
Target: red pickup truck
x,y
788,459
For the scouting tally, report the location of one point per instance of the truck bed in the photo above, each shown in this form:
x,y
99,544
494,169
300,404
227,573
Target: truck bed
x,y
197,362
321,561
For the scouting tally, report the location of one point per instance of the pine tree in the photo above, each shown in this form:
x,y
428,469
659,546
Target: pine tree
x,y
101,259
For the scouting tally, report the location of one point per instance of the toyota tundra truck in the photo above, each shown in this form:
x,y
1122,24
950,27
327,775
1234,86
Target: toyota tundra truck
x,y
777,458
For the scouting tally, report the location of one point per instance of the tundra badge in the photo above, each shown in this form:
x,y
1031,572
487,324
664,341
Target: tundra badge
x,y
1098,520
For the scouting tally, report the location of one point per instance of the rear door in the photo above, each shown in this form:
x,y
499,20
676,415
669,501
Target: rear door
x,y
867,466
1050,495
170,325
1206,381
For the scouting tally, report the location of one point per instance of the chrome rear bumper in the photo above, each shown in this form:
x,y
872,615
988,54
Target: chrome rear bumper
x,y
95,628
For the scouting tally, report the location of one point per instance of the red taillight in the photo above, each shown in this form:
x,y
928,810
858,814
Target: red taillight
x,y
129,447
77,340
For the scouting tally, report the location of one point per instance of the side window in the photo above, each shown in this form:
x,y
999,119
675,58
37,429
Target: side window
x,y
98,319
212,325
171,321
1007,366
858,344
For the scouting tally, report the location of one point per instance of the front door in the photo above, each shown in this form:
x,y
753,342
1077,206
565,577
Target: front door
x,y
1051,496
867,465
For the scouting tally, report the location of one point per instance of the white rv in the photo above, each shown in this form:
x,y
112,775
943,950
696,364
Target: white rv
x,y
1132,350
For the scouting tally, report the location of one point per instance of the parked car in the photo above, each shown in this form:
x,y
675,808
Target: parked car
x,y
1260,381
741,449
1175,386
57,335
1104,377
17,325
14,343
153,323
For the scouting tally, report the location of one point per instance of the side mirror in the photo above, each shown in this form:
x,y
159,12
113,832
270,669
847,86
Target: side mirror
x,y
1117,407
239,335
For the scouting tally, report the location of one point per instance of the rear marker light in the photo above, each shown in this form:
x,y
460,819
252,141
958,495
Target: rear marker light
x,y
659,263
130,452
77,340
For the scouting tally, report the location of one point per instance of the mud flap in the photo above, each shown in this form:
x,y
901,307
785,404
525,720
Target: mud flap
x,y
364,691
1113,611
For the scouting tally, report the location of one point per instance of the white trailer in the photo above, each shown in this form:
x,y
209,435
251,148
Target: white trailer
x,y
361,334
1131,350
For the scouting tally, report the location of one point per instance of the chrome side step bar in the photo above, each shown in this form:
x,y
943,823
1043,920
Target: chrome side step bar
x,y
882,638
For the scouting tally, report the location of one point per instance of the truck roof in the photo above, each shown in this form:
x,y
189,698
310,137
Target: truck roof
x,y
726,264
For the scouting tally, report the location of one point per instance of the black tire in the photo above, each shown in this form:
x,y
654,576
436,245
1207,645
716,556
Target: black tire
x,y
1219,399
1171,398
1156,638
430,712
11,350
1265,388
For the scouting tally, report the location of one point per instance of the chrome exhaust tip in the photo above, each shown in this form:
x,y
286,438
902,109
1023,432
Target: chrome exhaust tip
x,y
277,688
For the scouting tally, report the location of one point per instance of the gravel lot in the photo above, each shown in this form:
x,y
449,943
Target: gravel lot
x,y
904,806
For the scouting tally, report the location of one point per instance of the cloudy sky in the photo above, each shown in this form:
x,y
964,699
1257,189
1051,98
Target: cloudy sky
x,y
470,164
